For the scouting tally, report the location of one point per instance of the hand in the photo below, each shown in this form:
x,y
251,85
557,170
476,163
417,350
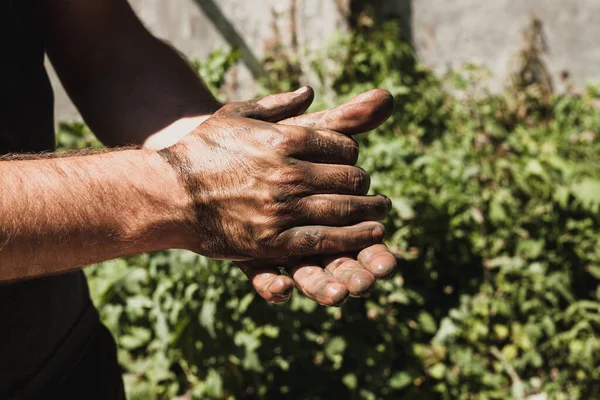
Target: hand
x,y
328,280
260,190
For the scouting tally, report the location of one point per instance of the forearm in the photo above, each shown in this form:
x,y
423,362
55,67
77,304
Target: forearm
x,y
127,84
61,214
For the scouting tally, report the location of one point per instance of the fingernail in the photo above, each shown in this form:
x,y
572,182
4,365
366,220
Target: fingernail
x,y
301,90
287,291
280,299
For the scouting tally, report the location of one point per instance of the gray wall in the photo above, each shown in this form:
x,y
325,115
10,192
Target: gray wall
x,y
446,33
185,24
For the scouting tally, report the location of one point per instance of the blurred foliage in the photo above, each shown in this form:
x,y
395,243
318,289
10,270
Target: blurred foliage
x,y
496,228
214,69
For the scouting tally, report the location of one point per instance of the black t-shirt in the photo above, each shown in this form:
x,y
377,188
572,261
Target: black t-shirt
x,y
38,316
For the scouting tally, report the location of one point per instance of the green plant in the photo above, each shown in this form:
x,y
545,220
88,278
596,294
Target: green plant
x,y
496,228
214,69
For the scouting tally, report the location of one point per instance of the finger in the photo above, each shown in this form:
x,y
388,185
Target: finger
x,y
270,108
329,179
267,282
360,114
318,145
318,285
351,273
277,289
316,240
378,260
340,210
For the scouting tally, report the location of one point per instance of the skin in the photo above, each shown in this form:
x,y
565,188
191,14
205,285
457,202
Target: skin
x,y
105,203
116,58
263,191
234,188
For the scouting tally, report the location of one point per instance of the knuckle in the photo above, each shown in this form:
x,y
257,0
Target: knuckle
x,y
282,143
358,180
290,141
304,136
272,206
296,140
347,208
330,118
265,237
288,176
267,137
278,198
312,240
352,151
229,109
265,198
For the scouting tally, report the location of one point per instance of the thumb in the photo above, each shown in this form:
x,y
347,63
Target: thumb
x,y
360,114
271,108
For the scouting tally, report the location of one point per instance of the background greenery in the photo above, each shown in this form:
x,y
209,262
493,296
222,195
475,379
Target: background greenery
x,y
495,226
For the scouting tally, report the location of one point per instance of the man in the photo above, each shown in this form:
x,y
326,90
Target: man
x,y
254,182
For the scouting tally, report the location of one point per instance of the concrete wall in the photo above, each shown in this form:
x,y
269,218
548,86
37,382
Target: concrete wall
x,y
446,33
256,23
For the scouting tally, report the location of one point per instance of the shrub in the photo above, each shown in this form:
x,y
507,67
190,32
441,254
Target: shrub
x,y
495,226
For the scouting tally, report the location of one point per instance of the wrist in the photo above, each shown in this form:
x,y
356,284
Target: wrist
x,y
171,210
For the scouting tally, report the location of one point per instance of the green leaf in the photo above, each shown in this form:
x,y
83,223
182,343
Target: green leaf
x,y
437,371
587,192
136,337
400,380
207,316
350,381
427,322
335,346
